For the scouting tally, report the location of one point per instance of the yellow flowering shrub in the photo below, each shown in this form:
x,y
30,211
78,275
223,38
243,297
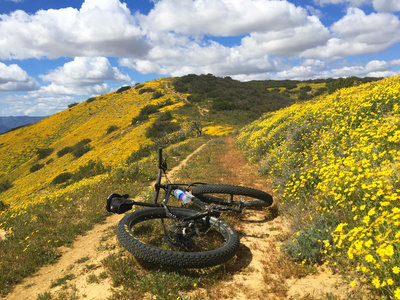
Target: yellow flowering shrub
x,y
339,155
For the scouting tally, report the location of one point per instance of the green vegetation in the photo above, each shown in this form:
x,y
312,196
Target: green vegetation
x,y
61,281
5,185
112,128
61,178
72,104
336,84
149,109
123,88
77,150
44,152
36,167
162,126
146,90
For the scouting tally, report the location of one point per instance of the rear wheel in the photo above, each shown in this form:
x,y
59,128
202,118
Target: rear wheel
x,y
225,194
153,237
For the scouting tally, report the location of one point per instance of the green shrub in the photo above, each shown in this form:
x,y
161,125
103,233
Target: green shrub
x,y
72,104
5,185
61,178
167,116
3,206
36,167
112,128
138,86
145,112
140,153
64,151
77,150
123,88
157,95
146,90
160,128
308,244
91,99
81,150
92,168
44,152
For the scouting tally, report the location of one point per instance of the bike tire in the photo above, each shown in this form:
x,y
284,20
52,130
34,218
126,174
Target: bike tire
x,y
153,249
221,194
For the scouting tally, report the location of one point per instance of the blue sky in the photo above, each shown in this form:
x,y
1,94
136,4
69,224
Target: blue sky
x,y
54,53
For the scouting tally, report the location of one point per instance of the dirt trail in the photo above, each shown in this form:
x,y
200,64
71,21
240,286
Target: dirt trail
x,y
80,261
256,273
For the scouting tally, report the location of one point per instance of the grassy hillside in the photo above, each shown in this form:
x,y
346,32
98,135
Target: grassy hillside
x,y
335,166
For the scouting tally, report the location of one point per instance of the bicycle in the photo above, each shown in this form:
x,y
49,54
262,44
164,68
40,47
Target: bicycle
x,y
183,237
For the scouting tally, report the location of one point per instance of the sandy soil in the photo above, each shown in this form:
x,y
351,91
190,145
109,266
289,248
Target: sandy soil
x,y
255,276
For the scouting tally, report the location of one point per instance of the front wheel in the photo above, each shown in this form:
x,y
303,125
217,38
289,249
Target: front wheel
x,y
153,237
231,195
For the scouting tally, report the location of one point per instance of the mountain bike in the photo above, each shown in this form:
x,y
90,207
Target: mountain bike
x,y
193,236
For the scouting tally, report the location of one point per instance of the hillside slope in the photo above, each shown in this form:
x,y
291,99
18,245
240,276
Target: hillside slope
x,y
335,166
99,129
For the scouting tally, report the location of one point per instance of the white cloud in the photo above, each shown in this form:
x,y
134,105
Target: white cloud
x,y
387,5
13,78
357,33
356,3
319,69
379,5
100,27
179,33
82,76
223,17
290,41
18,105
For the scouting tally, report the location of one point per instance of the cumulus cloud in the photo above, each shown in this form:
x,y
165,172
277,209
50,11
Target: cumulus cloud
x,y
378,5
387,5
82,76
13,78
100,27
179,33
223,17
357,33
319,69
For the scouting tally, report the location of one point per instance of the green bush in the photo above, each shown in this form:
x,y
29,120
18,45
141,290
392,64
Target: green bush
x,y
36,167
3,206
308,244
44,152
81,150
138,86
167,116
91,99
92,168
146,90
140,153
64,151
161,128
123,88
72,104
61,178
5,185
112,128
157,95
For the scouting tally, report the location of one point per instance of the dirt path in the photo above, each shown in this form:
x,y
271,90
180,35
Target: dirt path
x,y
79,263
259,272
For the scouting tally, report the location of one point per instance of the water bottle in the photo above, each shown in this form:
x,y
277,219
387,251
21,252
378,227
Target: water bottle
x,y
184,197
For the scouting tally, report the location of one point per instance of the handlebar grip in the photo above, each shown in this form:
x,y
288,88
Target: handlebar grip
x,y
160,158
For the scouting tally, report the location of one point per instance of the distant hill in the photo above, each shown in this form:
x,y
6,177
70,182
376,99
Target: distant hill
x,y
118,128
11,122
